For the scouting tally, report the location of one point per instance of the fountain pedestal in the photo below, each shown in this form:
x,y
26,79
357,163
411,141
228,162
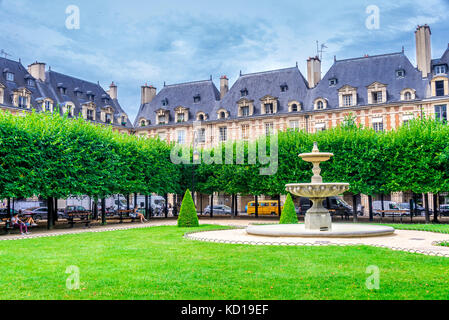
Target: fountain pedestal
x,y
318,217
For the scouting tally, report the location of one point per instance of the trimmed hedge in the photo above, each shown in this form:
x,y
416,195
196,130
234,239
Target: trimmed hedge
x,y
188,217
289,215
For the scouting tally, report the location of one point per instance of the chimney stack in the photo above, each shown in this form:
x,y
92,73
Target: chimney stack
x,y
148,93
113,91
224,86
37,70
423,49
313,71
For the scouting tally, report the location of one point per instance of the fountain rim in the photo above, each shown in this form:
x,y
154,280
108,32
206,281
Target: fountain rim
x,y
317,184
316,154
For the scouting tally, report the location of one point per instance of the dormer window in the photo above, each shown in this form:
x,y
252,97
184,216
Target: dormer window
x,y
284,87
441,69
61,88
408,96
333,82
90,96
269,108
180,117
320,105
294,107
400,73
165,102
245,111
124,120
244,92
108,118
78,92
197,99
30,83
9,76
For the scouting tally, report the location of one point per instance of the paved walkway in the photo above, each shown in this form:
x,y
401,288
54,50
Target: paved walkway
x,y
403,240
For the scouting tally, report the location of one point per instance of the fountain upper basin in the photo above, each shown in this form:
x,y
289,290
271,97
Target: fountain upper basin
x,y
317,190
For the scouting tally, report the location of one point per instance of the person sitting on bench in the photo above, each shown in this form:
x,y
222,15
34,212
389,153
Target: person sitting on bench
x,y
139,215
16,222
29,222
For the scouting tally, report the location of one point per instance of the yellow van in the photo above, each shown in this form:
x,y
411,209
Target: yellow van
x,y
268,207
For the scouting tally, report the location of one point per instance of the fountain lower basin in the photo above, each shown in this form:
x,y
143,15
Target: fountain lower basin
x,y
317,190
339,230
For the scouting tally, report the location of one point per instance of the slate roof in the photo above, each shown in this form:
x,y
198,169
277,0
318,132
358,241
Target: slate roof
x,y
182,95
362,72
20,80
55,80
443,60
262,84
49,89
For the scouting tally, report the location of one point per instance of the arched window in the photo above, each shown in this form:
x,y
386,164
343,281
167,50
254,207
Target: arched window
x,y
222,115
294,107
201,117
143,123
320,105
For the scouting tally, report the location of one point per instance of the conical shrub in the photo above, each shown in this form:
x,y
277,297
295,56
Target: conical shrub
x,y
289,215
188,217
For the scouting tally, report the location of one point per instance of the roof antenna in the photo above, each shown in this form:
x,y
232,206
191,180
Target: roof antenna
x,y
403,49
164,84
320,49
296,64
210,77
4,53
240,72
335,58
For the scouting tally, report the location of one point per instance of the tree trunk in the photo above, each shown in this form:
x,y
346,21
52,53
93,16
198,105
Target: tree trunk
x,y
411,209
232,206
103,211
212,205
370,204
236,203
128,203
50,220
426,203
8,208
256,199
382,198
279,206
166,206
354,207
435,208
147,210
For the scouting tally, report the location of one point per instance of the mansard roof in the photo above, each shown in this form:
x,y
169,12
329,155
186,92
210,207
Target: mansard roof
x,y
362,72
54,81
262,84
181,95
443,60
21,76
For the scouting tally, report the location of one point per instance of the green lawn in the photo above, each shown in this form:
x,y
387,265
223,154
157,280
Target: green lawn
x,y
158,263
440,228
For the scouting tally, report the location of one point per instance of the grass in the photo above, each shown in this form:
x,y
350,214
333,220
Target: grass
x,y
158,263
439,228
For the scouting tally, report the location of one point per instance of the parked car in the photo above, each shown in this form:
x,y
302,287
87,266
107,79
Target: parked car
x,y
338,205
393,209
406,206
39,214
444,210
218,209
5,215
267,207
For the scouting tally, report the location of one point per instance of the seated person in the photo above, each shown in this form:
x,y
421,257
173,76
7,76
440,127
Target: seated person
x,y
30,222
16,222
139,215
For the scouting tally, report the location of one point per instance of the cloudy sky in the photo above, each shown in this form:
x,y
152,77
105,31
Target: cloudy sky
x,y
136,42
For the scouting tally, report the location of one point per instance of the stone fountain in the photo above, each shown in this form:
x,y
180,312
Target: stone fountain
x,y
318,221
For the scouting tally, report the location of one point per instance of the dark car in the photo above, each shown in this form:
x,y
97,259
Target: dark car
x,y
335,204
5,215
444,210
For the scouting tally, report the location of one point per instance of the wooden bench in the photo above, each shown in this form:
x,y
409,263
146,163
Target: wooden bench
x,y
84,217
122,215
8,226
